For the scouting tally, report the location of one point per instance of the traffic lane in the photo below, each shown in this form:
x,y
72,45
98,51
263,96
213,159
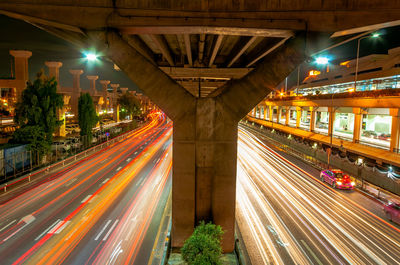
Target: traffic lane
x,y
50,189
28,237
37,193
357,196
281,227
291,191
340,212
95,240
55,248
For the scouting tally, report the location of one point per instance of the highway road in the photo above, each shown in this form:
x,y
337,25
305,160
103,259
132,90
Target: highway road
x,y
105,210
287,216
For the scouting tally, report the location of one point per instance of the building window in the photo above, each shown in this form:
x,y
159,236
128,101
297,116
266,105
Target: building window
x,y
376,129
343,126
321,122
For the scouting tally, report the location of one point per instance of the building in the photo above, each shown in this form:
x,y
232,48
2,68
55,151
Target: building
x,y
105,99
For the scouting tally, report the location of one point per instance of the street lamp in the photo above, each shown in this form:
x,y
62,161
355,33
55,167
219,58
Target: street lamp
x,y
322,60
374,35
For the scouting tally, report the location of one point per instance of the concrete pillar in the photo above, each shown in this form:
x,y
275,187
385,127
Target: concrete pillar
x,y
205,131
331,111
357,124
21,72
116,113
395,132
298,116
104,84
60,131
287,116
270,113
54,71
265,112
76,91
92,79
278,114
312,119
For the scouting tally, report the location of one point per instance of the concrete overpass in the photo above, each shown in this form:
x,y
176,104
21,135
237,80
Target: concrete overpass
x,y
206,64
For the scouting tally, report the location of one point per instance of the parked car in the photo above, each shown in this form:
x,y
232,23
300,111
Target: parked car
x,y
384,136
74,142
60,146
392,211
370,134
337,179
71,128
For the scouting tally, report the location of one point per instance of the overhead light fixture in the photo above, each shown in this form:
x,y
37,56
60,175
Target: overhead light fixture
x,y
322,60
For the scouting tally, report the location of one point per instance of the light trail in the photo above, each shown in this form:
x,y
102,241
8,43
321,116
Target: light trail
x,y
65,212
292,218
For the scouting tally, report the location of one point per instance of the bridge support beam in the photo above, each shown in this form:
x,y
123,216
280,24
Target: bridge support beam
x,y
205,132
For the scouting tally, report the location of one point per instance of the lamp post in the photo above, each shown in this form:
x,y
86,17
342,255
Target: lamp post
x,y
375,35
325,61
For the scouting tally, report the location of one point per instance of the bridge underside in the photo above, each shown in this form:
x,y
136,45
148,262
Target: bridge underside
x,y
206,65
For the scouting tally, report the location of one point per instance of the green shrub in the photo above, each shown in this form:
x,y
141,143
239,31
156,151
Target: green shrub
x,y
203,247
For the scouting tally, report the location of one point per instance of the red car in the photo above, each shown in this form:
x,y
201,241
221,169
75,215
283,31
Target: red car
x,y
392,210
337,179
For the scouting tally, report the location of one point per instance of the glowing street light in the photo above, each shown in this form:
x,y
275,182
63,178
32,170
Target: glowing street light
x,y
374,35
91,56
322,60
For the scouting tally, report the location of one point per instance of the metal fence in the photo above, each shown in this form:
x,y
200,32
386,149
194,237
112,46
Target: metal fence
x,y
53,162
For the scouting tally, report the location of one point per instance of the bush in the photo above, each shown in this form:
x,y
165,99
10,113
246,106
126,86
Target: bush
x,y
204,246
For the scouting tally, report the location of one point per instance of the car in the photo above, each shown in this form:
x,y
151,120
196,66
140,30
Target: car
x,y
392,211
74,142
60,146
337,179
71,128
370,134
384,136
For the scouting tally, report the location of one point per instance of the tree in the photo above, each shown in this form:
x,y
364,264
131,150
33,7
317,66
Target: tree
x,y
130,105
87,117
204,246
35,137
36,113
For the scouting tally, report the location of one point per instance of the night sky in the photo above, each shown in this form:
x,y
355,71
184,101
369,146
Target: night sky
x,y
16,34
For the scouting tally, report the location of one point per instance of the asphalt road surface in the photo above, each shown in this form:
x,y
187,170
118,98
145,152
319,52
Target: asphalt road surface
x,y
288,216
105,210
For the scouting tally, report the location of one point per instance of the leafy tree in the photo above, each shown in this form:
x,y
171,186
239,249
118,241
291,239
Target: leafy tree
x,y
87,117
130,105
36,113
35,137
204,246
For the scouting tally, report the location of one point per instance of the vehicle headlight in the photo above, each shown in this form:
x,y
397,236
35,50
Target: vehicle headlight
x,y
339,183
353,183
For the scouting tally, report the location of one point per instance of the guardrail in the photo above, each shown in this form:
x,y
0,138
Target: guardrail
x,y
67,161
364,186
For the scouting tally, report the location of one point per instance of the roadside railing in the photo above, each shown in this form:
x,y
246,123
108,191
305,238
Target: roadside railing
x,y
65,162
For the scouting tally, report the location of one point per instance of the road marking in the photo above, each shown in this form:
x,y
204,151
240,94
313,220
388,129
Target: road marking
x,y
62,227
129,159
59,223
70,182
8,225
27,220
45,231
94,197
312,252
109,231
86,198
118,169
105,180
102,230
